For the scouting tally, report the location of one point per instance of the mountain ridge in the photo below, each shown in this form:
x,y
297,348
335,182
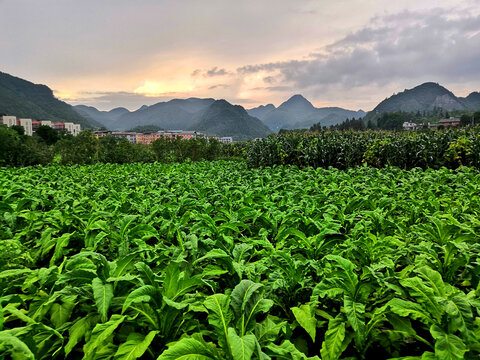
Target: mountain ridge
x,y
425,97
299,113
22,98
224,119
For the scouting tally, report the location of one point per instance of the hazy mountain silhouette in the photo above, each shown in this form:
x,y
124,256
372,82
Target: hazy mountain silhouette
x,y
299,113
178,114
105,118
472,101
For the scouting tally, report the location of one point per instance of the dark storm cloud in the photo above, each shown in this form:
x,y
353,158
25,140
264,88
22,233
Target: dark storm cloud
x,y
409,45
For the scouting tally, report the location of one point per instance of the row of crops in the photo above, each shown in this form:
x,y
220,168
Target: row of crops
x,y
344,149
212,260
449,148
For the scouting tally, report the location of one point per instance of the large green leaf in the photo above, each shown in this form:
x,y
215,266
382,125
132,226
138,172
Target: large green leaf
x,y
305,316
177,283
60,313
447,346
355,312
14,347
219,316
142,294
146,273
247,302
424,295
188,349
286,350
269,329
103,294
78,331
13,273
124,263
459,309
334,336
242,347
100,333
345,272
408,308
433,278
61,243
135,346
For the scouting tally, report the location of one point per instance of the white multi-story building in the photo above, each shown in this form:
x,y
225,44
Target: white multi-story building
x,y
69,127
130,136
27,125
9,120
226,139
72,128
76,129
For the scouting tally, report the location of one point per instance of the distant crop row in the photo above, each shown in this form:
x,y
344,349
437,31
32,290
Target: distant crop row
x,y
215,261
344,149
449,148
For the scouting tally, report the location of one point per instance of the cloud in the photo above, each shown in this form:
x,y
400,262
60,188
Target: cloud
x,y
107,100
215,71
219,86
196,72
438,45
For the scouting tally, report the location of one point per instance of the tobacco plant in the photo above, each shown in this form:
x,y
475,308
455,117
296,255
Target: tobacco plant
x,y
215,260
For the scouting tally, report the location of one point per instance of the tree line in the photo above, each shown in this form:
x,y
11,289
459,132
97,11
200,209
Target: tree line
x,y
48,146
395,120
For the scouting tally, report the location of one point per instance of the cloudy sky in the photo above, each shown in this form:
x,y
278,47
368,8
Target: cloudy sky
x,y
348,53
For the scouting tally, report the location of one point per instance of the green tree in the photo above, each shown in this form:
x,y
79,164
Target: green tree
x,y
465,120
47,134
19,129
476,117
82,149
9,146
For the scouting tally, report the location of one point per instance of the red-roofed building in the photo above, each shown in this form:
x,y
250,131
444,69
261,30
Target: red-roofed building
x,y
59,126
36,125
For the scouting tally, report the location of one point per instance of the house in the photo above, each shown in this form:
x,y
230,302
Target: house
x,y
102,133
226,139
449,122
46,123
130,136
148,138
410,126
59,126
36,125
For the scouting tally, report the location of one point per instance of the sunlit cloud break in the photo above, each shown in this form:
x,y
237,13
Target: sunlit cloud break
x,y
157,88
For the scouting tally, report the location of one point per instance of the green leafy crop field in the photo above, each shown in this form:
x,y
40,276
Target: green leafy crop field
x,y
212,260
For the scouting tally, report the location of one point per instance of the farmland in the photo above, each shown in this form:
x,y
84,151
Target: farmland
x,y
214,260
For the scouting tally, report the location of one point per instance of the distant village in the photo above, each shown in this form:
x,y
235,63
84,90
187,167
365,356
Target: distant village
x,y
148,138
30,126
411,126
